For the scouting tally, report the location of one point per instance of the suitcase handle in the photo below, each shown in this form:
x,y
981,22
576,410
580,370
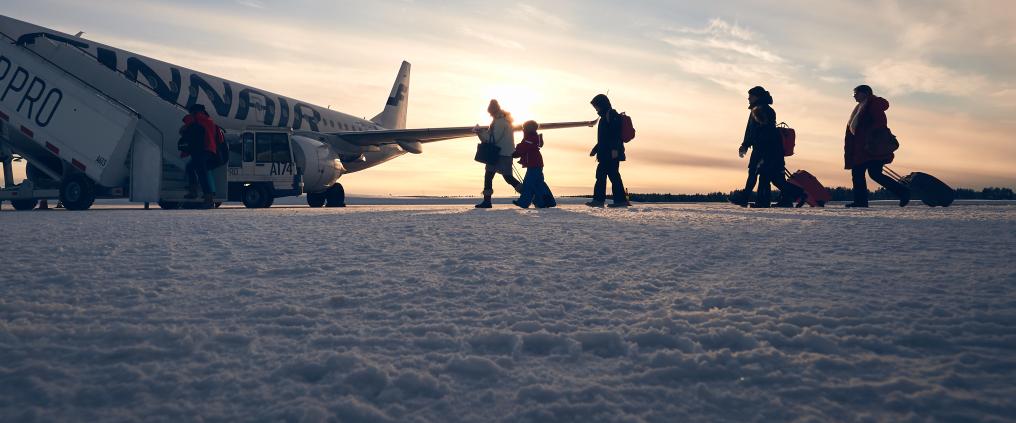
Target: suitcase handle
x,y
893,174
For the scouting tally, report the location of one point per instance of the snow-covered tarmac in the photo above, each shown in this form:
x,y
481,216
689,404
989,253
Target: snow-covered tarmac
x,y
438,313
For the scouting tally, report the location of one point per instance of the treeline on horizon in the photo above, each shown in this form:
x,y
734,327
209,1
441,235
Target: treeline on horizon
x,y
838,193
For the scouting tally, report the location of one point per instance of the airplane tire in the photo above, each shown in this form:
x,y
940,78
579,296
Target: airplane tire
x,y
256,196
316,199
24,205
336,196
169,205
77,192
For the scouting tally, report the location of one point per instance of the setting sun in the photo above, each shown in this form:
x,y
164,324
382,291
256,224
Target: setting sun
x,y
519,100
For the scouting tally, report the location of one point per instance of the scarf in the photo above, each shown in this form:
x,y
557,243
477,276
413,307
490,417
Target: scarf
x,y
855,117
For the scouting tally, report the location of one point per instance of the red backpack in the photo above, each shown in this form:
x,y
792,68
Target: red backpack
x,y
789,137
627,129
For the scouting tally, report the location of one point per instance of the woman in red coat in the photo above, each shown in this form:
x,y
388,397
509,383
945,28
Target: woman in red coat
x,y
868,115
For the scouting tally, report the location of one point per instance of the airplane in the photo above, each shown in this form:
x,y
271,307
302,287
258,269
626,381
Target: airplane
x,y
353,144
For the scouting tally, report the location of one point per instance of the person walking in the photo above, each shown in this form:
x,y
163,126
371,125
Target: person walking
x,y
866,122
766,162
533,184
501,133
198,139
609,153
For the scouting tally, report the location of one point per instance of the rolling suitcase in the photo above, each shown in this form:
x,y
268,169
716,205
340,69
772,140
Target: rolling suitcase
x,y
929,189
818,195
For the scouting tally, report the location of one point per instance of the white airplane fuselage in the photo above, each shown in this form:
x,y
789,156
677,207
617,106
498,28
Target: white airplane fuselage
x,y
232,105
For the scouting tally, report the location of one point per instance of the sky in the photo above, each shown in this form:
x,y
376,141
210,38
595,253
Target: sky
x,y
681,70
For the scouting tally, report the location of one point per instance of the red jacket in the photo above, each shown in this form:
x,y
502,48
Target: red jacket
x,y
211,130
872,117
528,151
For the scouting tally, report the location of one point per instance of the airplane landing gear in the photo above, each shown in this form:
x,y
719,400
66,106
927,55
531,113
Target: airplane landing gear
x,y
316,199
336,196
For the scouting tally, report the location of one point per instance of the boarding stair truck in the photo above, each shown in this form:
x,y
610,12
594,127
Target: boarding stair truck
x,y
80,138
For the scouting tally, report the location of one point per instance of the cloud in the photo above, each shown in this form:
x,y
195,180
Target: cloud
x,y
918,76
256,4
492,39
550,20
724,53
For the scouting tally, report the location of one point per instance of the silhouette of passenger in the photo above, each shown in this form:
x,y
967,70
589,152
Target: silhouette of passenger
x,y
766,162
867,118
198,139
609,152
534,186
501,133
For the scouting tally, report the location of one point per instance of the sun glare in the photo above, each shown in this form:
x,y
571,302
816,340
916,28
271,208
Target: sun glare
x,y
518,100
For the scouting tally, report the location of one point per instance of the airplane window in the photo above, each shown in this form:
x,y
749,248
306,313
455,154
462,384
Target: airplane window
x,y
248,147
280,149
263,148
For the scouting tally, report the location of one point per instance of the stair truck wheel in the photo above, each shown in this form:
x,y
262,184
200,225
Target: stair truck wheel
x,y
336,196
256,196
77,192
24,205
316,199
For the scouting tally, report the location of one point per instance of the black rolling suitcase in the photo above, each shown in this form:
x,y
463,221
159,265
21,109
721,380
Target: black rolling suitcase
x,y
929,189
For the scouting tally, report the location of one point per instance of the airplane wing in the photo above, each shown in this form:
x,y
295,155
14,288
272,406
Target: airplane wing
x,y
427,135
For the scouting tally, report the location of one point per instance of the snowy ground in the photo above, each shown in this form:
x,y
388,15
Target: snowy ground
x,y
444,313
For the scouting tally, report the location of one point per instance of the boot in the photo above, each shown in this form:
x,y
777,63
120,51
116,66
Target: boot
x,y
485,204
209,201
595,204
192,192
740,199
802,200
905,198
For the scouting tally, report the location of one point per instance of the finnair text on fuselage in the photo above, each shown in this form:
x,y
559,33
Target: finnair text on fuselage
x,y
225,99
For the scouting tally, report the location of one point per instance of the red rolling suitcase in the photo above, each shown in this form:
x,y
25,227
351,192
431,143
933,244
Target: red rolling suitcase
x,y
818,195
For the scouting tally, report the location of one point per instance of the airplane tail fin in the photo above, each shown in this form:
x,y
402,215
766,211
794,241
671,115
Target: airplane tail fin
x,y
394,115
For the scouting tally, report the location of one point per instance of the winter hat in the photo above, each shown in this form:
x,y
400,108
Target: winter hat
x,y
762,94
601,102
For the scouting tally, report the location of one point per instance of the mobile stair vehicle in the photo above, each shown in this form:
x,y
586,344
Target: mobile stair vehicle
x,y
79,143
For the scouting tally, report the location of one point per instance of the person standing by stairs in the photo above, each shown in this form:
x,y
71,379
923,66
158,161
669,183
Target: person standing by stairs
x,y
198,139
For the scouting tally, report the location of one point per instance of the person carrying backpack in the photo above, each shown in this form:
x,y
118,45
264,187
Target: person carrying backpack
x,y
200,139
609,153
865,121
528,152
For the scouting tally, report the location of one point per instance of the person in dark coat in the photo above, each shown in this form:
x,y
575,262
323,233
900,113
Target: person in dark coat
x,y
868,116
199,134
609,152
766,162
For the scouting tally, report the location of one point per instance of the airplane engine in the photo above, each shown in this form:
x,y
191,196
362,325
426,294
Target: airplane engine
x,y
321,166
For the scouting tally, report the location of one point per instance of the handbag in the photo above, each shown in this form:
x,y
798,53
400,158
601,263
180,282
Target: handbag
x,y
881,142
789,137
487,152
